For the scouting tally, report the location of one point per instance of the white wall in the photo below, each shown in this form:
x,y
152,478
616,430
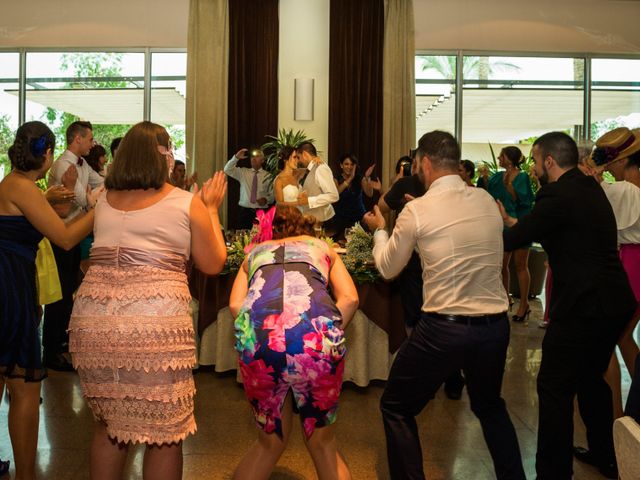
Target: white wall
x,y
605,26
304,53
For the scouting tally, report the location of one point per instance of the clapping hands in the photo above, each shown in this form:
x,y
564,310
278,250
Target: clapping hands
x,y
213,191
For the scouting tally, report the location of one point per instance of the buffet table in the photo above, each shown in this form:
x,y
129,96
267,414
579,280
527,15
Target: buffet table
x,y
372,337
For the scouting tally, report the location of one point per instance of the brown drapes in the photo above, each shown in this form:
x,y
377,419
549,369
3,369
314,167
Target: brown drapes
x,y
355,81
253,80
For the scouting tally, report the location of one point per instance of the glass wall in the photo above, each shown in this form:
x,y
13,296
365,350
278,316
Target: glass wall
x,y
105,88
435,93
168,95
9,105
513,100
615,96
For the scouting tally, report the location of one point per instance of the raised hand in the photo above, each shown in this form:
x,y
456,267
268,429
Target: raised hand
x,y
374,219
369,170
214,190
69,178
92,195
241,154
375,184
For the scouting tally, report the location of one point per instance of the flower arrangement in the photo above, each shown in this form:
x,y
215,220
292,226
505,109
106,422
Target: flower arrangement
x,y
358,259
237,250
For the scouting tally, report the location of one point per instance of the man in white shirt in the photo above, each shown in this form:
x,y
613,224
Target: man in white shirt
x,y
319,187
79,136
256,189
458,233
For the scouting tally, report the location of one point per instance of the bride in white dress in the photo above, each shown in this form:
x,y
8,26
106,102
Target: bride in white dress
x,y
286,185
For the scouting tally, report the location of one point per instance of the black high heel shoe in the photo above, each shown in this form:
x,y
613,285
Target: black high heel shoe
x,y
521,318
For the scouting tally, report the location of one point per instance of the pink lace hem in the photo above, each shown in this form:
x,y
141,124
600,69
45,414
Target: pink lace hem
x,y
140,421
153,393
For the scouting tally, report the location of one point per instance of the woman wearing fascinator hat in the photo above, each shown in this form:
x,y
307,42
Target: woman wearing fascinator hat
x,y
618,152
290,340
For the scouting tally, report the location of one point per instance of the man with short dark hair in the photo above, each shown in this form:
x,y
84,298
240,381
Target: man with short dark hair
x,y
591,302
79,136
458,233
319,190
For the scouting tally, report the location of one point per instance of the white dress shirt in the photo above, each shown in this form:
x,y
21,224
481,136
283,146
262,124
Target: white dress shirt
x,y
458,233
86,176
625,201
321,191
245,175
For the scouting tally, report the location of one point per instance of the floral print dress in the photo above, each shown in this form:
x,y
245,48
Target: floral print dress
x,y
288,336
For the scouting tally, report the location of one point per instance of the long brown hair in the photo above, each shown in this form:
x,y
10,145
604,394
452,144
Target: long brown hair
x,y
289,222
138,163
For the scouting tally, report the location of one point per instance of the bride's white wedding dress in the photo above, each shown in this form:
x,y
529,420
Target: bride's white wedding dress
x,y
290,193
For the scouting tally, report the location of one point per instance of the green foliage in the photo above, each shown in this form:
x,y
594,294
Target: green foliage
x,y
472,68
275,144
493,165
236,251
6,140
358,260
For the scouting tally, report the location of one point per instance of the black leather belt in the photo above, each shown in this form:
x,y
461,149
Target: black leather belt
x,y
469,319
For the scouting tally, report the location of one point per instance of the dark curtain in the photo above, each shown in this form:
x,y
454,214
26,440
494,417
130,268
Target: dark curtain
x,y
355,81
253,81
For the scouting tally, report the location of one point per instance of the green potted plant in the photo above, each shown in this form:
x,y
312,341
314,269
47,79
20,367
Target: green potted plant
x,y
275,144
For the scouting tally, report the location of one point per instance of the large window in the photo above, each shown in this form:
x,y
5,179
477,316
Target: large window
x,y
435,93
168,94
9,105
615,95
513,100
107,88
104,88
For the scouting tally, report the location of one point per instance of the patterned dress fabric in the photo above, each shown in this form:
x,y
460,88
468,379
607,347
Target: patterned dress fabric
x,y
19,340
131,332
288,335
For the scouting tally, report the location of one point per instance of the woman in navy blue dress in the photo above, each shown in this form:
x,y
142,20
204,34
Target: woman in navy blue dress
x,y
25,217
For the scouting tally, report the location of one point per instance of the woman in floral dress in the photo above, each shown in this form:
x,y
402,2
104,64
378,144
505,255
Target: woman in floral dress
x,y
289,334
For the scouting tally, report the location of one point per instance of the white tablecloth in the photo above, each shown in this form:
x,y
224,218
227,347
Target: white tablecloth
x,y
367,358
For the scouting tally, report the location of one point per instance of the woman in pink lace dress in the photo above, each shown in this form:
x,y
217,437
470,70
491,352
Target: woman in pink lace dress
x,y
131,333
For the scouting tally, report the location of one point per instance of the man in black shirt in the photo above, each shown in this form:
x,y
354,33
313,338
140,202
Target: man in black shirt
x,y
591,303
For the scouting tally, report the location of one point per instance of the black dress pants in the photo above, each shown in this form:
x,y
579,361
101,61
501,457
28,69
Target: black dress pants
x,y
435,349
575,355
56,315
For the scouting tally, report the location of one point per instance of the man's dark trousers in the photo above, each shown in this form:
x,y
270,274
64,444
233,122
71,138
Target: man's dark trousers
x,y
436,348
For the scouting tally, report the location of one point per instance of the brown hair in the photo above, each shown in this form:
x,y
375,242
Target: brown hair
x,y
138,163
78,127
514,155
93,158
290,222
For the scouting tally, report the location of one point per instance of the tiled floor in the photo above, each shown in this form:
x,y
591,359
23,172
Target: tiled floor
x,y
452,439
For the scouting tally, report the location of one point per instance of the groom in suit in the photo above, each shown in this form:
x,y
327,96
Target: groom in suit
x,y
591,302
318,190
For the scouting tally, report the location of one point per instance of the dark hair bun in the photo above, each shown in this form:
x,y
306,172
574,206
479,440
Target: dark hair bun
x,y
32,141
